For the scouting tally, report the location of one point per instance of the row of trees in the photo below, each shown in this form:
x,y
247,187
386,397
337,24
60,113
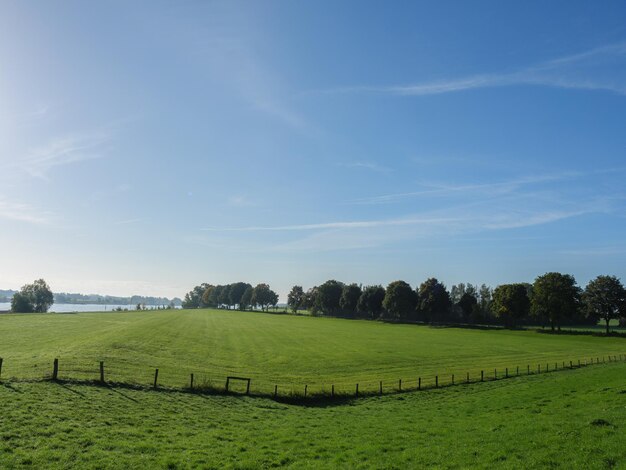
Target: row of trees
x,y
552,299
240,295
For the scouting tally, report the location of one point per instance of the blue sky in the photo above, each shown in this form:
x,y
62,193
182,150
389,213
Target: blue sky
x,y
146,147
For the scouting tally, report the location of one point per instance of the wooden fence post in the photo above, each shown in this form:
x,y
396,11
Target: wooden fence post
x,y
356,393
452,379
102,371
248,388
276,391
156,377
468,377
1,367
527,369
517,370
227,382
482,375
332,390
419,383
578,362
380,385
547,367
436,381
570,364
55,369
399,385
191,382
506,373
305,390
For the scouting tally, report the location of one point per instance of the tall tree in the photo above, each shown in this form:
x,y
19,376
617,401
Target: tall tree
x,y
510,303
35,297
193,299
207,300
329,296
235,293
399,301
264,297
246,298
468,303
224,298
605,298
295,299
350,295
555,296
371,301
433,300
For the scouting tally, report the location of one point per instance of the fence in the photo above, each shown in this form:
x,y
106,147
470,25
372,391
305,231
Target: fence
x,y
117,374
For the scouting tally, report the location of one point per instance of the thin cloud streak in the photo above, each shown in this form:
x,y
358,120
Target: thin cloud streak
x,y
22,213
553,73
63,151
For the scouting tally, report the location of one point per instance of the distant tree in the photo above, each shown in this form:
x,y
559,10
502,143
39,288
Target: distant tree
x,y
468,303
309,301
235,293
21,303
295,299
36,297
224,298
433,300
207,300
485,294
555,296
193,299
400,300
328,297
605,298
215,296
371,301
246,298
138,307
350,295
264,297
510,303
456,292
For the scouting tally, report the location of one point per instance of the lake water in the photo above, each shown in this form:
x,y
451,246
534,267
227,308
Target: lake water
x,y
67,308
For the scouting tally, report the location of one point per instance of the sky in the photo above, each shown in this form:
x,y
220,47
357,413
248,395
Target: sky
x,y
149,146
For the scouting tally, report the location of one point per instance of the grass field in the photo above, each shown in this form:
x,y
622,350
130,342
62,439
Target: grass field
x,y
573,419
289,351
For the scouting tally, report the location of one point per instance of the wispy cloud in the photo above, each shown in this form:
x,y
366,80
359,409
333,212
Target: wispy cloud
x,y
22,212
62,151
372,166
585,70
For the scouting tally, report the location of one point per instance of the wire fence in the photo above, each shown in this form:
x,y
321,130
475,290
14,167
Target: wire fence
x,y
184,378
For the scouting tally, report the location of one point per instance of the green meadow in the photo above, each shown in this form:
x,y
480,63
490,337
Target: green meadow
x,y
284,350
571,419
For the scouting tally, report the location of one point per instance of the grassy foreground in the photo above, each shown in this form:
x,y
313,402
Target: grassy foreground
x,y
573,419
289,351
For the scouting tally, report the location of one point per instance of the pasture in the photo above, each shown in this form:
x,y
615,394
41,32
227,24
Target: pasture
x,y
573,419
288,351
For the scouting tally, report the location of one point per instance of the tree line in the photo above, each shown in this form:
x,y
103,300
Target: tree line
x,y
239,295
553,299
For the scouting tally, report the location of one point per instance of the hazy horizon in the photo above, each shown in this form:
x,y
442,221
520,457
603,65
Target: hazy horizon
x,y
148,147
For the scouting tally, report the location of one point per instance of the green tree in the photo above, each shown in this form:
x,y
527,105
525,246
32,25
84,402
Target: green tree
x,y
207,300
21,303
468,303
400,300
556,297
235,293
246,298
193,299
349,300
224,298
264,297
295,299
328,297
371,301
605,298
433,300
510,303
